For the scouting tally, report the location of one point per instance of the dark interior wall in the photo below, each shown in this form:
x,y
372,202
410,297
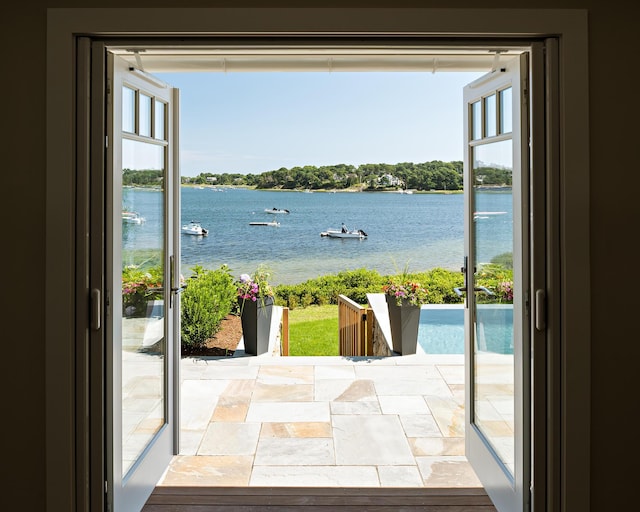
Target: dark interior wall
x,y
614,216
22,187
615,228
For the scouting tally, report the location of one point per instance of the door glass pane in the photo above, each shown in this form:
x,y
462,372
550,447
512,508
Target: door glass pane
x,y
160,116
476,120
490,116
143,325
493,360
128,110
506,111
145,115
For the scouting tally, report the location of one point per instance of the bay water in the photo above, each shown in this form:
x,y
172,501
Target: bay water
x,y
413,231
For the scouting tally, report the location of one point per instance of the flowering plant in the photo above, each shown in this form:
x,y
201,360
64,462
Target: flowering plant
x,y
255,287
139,287
505,289
404,290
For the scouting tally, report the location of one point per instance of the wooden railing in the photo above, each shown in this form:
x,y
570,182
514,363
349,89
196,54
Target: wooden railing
x,y
284,334
355,325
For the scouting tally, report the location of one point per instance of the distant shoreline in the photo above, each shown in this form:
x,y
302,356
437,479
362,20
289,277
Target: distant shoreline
x,y
325,191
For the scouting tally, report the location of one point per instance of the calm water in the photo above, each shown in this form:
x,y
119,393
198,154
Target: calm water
x,y
419,230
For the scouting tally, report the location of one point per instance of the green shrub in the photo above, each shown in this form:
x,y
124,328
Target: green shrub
x,y
504,260
360,278
441,284
324,290
356,284
498,280
209,296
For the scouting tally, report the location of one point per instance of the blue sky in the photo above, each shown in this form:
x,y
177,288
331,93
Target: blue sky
x,y
256,122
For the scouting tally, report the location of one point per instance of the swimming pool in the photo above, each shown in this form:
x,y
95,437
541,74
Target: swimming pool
x,y
441,329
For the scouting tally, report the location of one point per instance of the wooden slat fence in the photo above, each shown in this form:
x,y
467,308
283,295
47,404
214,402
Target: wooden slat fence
x,y
284,334
355,324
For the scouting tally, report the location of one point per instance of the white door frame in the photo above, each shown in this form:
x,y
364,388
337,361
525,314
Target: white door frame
x,y
566,411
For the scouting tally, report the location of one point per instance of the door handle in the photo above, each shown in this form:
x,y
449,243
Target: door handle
x,y
96,309
173,289
461,289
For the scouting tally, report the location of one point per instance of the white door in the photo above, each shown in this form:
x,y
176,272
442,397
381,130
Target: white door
x,y
141,261
497,339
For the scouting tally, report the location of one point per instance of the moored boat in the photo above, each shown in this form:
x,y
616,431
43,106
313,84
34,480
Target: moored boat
x,y
132,217
272,223
275,210
338,233
194,228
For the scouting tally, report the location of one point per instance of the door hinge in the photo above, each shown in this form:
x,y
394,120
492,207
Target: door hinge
x,y
107,303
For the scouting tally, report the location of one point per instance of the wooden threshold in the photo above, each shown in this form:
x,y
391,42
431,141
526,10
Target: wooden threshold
x,y
248,499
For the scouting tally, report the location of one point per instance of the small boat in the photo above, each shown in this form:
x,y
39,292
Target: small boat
x,y
132,217
275,210
338,233
272,223
194,228
486,215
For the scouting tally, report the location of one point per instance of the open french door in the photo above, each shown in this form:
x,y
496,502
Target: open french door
x,y
141,268
497,325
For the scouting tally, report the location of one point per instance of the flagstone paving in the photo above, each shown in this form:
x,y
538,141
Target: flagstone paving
x,y
322,421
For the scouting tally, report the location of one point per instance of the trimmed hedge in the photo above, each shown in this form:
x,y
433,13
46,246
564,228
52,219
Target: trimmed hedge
x,y
356,284
209,296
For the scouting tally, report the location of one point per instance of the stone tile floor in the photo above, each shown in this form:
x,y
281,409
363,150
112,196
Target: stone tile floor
x,y
322,421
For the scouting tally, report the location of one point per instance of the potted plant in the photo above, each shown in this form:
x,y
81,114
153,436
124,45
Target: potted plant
x,y
255,301
404,298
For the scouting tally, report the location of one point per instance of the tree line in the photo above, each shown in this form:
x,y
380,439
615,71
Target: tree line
x,y
434,175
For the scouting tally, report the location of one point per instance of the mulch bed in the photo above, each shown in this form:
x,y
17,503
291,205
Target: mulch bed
x,y
224,342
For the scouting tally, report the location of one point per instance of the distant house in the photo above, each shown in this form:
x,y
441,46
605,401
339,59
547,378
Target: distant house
x,y
390,180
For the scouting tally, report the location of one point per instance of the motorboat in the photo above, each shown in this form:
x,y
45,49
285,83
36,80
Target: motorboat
x,y
132,217
338,233
272,223
194,228
275,210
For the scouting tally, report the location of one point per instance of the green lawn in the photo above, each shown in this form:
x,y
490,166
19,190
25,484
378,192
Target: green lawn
x,y
313,331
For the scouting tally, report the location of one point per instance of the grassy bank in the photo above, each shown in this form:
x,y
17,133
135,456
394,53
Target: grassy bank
x,y
313,331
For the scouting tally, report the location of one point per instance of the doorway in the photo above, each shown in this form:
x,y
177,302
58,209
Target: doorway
x,y
400,459
534,18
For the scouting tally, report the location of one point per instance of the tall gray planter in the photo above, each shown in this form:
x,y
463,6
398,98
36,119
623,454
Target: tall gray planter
x,y
404,321
256,325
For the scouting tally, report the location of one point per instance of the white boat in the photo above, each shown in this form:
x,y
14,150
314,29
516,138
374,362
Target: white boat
x,y
132,217
272,223
275,210
486,215
338,233
194,228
